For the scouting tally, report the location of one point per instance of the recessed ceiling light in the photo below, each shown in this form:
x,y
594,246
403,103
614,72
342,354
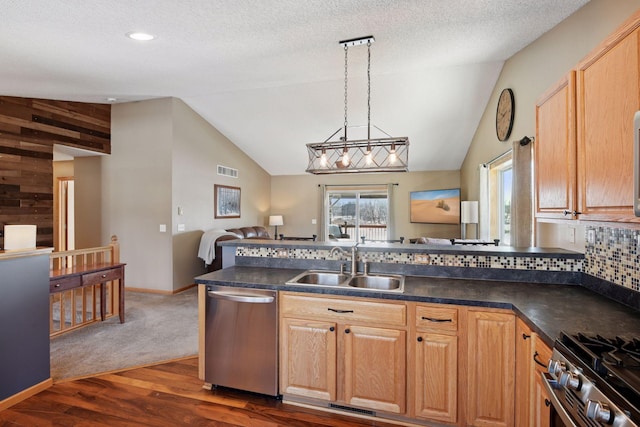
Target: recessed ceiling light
x,y
137,35
112,99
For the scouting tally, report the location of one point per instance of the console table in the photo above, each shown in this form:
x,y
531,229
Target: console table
x,y
81,276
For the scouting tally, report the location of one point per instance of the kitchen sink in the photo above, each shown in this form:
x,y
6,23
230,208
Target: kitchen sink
x,y
378,282
322,278
336,279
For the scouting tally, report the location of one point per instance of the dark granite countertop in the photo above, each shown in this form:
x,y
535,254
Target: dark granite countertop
x,y
546,308
412,248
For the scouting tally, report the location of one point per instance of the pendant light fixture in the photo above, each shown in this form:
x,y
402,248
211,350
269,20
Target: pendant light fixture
x,y
379,154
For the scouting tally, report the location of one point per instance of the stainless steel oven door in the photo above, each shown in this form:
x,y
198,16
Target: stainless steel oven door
x,y
559,416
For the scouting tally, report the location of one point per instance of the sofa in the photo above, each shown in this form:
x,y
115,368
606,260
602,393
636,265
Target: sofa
x,y
210,239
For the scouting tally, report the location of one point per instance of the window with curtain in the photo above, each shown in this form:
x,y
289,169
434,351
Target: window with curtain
x,y
495,203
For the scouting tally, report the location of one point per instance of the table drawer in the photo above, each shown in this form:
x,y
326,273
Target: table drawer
x,y
337,309
101,276
64,283
438,318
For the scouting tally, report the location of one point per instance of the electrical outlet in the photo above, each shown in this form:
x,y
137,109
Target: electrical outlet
x,y
571,235
313,221
163,228
591,237
421,258
282,253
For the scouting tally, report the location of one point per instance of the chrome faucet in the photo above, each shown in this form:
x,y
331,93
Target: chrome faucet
x,y
354,256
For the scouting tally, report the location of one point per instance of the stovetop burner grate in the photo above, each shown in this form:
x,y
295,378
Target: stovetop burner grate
x,y
615,362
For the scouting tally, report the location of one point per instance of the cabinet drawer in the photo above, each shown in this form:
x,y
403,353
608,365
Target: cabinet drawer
x,y
101,276
439,318
62,284
541,354
393,314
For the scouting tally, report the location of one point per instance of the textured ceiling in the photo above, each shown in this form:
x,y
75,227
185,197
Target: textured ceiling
x,y
268,74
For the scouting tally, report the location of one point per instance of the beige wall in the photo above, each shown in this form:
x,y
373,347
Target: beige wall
x,y
164,156
197,149
529,73
88,202
61,169
297,198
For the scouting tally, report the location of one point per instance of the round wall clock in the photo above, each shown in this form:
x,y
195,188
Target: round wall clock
x,y
505,114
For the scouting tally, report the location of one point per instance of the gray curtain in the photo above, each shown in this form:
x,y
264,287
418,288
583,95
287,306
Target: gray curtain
x,y
391,221
521,196
321,204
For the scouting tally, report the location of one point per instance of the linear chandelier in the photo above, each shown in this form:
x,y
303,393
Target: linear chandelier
x,y
379,154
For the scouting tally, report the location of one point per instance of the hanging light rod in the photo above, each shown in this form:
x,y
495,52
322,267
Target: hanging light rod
x,y
371,154
357,42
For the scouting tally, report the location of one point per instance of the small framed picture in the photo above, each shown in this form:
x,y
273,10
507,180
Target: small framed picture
x,y
226,201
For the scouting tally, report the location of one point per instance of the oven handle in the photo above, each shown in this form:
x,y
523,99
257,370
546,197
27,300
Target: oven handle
x,y
557,406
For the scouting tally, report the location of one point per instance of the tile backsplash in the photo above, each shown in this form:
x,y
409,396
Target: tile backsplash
x,y
612,254
505,262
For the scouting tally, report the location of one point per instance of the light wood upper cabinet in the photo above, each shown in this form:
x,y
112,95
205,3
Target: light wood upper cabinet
x,y
584,134
608,95
490,368
555,151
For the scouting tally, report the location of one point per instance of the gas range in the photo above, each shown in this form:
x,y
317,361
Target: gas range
x,y
595,381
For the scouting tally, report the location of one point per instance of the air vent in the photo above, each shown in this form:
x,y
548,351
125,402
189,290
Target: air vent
x,y
350,409
227,171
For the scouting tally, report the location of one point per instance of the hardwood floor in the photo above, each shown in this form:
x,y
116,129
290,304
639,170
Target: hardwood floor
x,y
168,394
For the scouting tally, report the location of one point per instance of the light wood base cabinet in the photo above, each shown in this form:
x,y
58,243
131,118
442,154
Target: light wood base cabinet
x,y
540,407
375,373
435,350
308,358
350,351
491,368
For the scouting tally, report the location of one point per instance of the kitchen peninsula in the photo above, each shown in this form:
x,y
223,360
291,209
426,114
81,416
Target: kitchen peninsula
x,y
24,316
468,292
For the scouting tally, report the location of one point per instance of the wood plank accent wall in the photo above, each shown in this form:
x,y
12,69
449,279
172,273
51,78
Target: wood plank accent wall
x,y
28,130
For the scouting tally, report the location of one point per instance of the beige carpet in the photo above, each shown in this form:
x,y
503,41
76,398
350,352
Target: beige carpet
x,y
156,328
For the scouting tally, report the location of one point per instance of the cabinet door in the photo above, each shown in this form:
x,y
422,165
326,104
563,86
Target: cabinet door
x,y
541,415
608,95
308,358
375,368
524,354
555,150
490,368
436,377
542,405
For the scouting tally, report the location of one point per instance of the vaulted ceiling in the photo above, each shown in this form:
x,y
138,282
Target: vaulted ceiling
x,y
269,74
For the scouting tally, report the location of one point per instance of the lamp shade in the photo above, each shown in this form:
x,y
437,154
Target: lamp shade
x,y
19,237
275,220
469,212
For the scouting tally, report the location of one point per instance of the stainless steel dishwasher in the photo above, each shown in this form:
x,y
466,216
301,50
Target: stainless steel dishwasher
x,y
241,339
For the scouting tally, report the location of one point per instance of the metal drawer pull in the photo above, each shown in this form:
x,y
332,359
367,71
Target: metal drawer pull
x,y
525,336
535,359
104,275
339,311
433,319
57,285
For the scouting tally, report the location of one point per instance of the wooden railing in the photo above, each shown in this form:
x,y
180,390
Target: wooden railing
x,y
79,306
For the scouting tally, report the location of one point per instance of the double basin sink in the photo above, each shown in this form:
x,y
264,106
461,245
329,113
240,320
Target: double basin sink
x,y
336,279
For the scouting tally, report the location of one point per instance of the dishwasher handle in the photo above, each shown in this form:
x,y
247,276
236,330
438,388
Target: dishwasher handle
x,y
230,296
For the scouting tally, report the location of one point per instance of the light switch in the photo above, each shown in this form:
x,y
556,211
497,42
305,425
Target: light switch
x,y
163,228
180,227
313,221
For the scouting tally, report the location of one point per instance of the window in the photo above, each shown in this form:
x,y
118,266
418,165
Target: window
x,y
352,213
497,199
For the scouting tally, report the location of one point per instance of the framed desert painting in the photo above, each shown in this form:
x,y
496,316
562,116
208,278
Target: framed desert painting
x,y
435,206
226,201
